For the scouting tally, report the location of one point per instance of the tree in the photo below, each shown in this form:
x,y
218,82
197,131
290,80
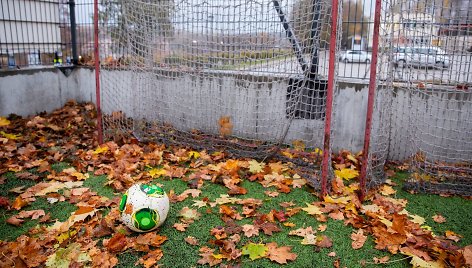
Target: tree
x,y
302,16
353,22
136,25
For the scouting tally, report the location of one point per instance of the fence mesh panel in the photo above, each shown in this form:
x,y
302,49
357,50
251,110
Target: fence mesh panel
x,y
429,44
248,77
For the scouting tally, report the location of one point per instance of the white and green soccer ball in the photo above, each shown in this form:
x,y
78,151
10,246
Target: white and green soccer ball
x,y
144,207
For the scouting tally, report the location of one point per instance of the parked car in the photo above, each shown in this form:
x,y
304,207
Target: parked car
x,y
422,56
355,56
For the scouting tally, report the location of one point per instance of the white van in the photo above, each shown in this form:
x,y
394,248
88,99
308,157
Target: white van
x,y
422,56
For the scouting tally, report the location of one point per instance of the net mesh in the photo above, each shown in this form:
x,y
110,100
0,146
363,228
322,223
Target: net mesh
x,y
428,48
247,77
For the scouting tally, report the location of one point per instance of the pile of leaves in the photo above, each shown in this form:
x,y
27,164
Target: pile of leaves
x,y
93,235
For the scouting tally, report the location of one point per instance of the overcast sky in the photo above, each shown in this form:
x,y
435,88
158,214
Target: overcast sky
x,y
201,16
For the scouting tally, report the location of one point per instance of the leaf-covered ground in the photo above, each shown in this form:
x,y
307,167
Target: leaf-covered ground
x,y
59,194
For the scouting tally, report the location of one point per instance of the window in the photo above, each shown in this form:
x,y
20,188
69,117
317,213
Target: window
x,y
306,99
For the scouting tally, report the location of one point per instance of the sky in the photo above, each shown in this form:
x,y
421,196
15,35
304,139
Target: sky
x,y
241,16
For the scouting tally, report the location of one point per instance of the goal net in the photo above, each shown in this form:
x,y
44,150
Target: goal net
x,y
246,77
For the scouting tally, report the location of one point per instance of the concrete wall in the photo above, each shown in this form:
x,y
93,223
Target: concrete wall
x,y
28,92
406,119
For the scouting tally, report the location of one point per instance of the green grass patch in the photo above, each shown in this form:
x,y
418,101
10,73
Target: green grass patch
x,y
177,253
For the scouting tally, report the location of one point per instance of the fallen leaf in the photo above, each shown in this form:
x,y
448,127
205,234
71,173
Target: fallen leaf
x,y
452,236
280,254
191,240
19,203
312,209
255,251
250,230
4,122
323,241
346,173
256,167
384,259
417,262
117,243
208,257
181,226
271,193
322,227
439,218
332,254
151,258
467,253
14,221
189,214
358,239
387,190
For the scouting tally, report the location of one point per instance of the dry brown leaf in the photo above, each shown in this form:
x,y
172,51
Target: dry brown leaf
x,y
332,254
358,239
117,243
384,259
250,230
467,253
280,254
322,227
181,226
14,221
151,258
191,240
439,218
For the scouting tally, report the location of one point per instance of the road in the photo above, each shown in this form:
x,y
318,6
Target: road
x,y
460,71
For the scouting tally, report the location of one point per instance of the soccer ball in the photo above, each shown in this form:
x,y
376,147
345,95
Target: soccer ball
x,y
144,207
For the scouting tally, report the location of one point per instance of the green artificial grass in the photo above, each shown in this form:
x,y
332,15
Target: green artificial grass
x,y
178,253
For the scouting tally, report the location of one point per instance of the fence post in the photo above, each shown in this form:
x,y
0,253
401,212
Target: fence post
x,y
329,98
370,101
73,32
97,72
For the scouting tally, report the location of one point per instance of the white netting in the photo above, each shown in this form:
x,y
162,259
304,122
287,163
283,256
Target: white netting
x,y
243,76
429,44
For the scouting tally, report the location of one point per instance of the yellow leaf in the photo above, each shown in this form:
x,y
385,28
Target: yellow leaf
x,y
256,167
66,235
346,173
299,145
352,207
352,158
9,136
157,172
289,224
417,262
340,200
100,150
218,256
318,151
385,221
387,190
287,154
312,210
80,176
4,121
194,154
417,219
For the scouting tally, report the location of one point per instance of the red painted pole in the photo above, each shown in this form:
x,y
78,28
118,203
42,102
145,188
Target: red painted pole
x,y
97,72
329,99
370,102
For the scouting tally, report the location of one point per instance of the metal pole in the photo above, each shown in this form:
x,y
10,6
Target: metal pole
x,y
329,99
370,101
97,72
73,32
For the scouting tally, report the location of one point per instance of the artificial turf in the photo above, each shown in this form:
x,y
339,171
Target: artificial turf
x,y
178,253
